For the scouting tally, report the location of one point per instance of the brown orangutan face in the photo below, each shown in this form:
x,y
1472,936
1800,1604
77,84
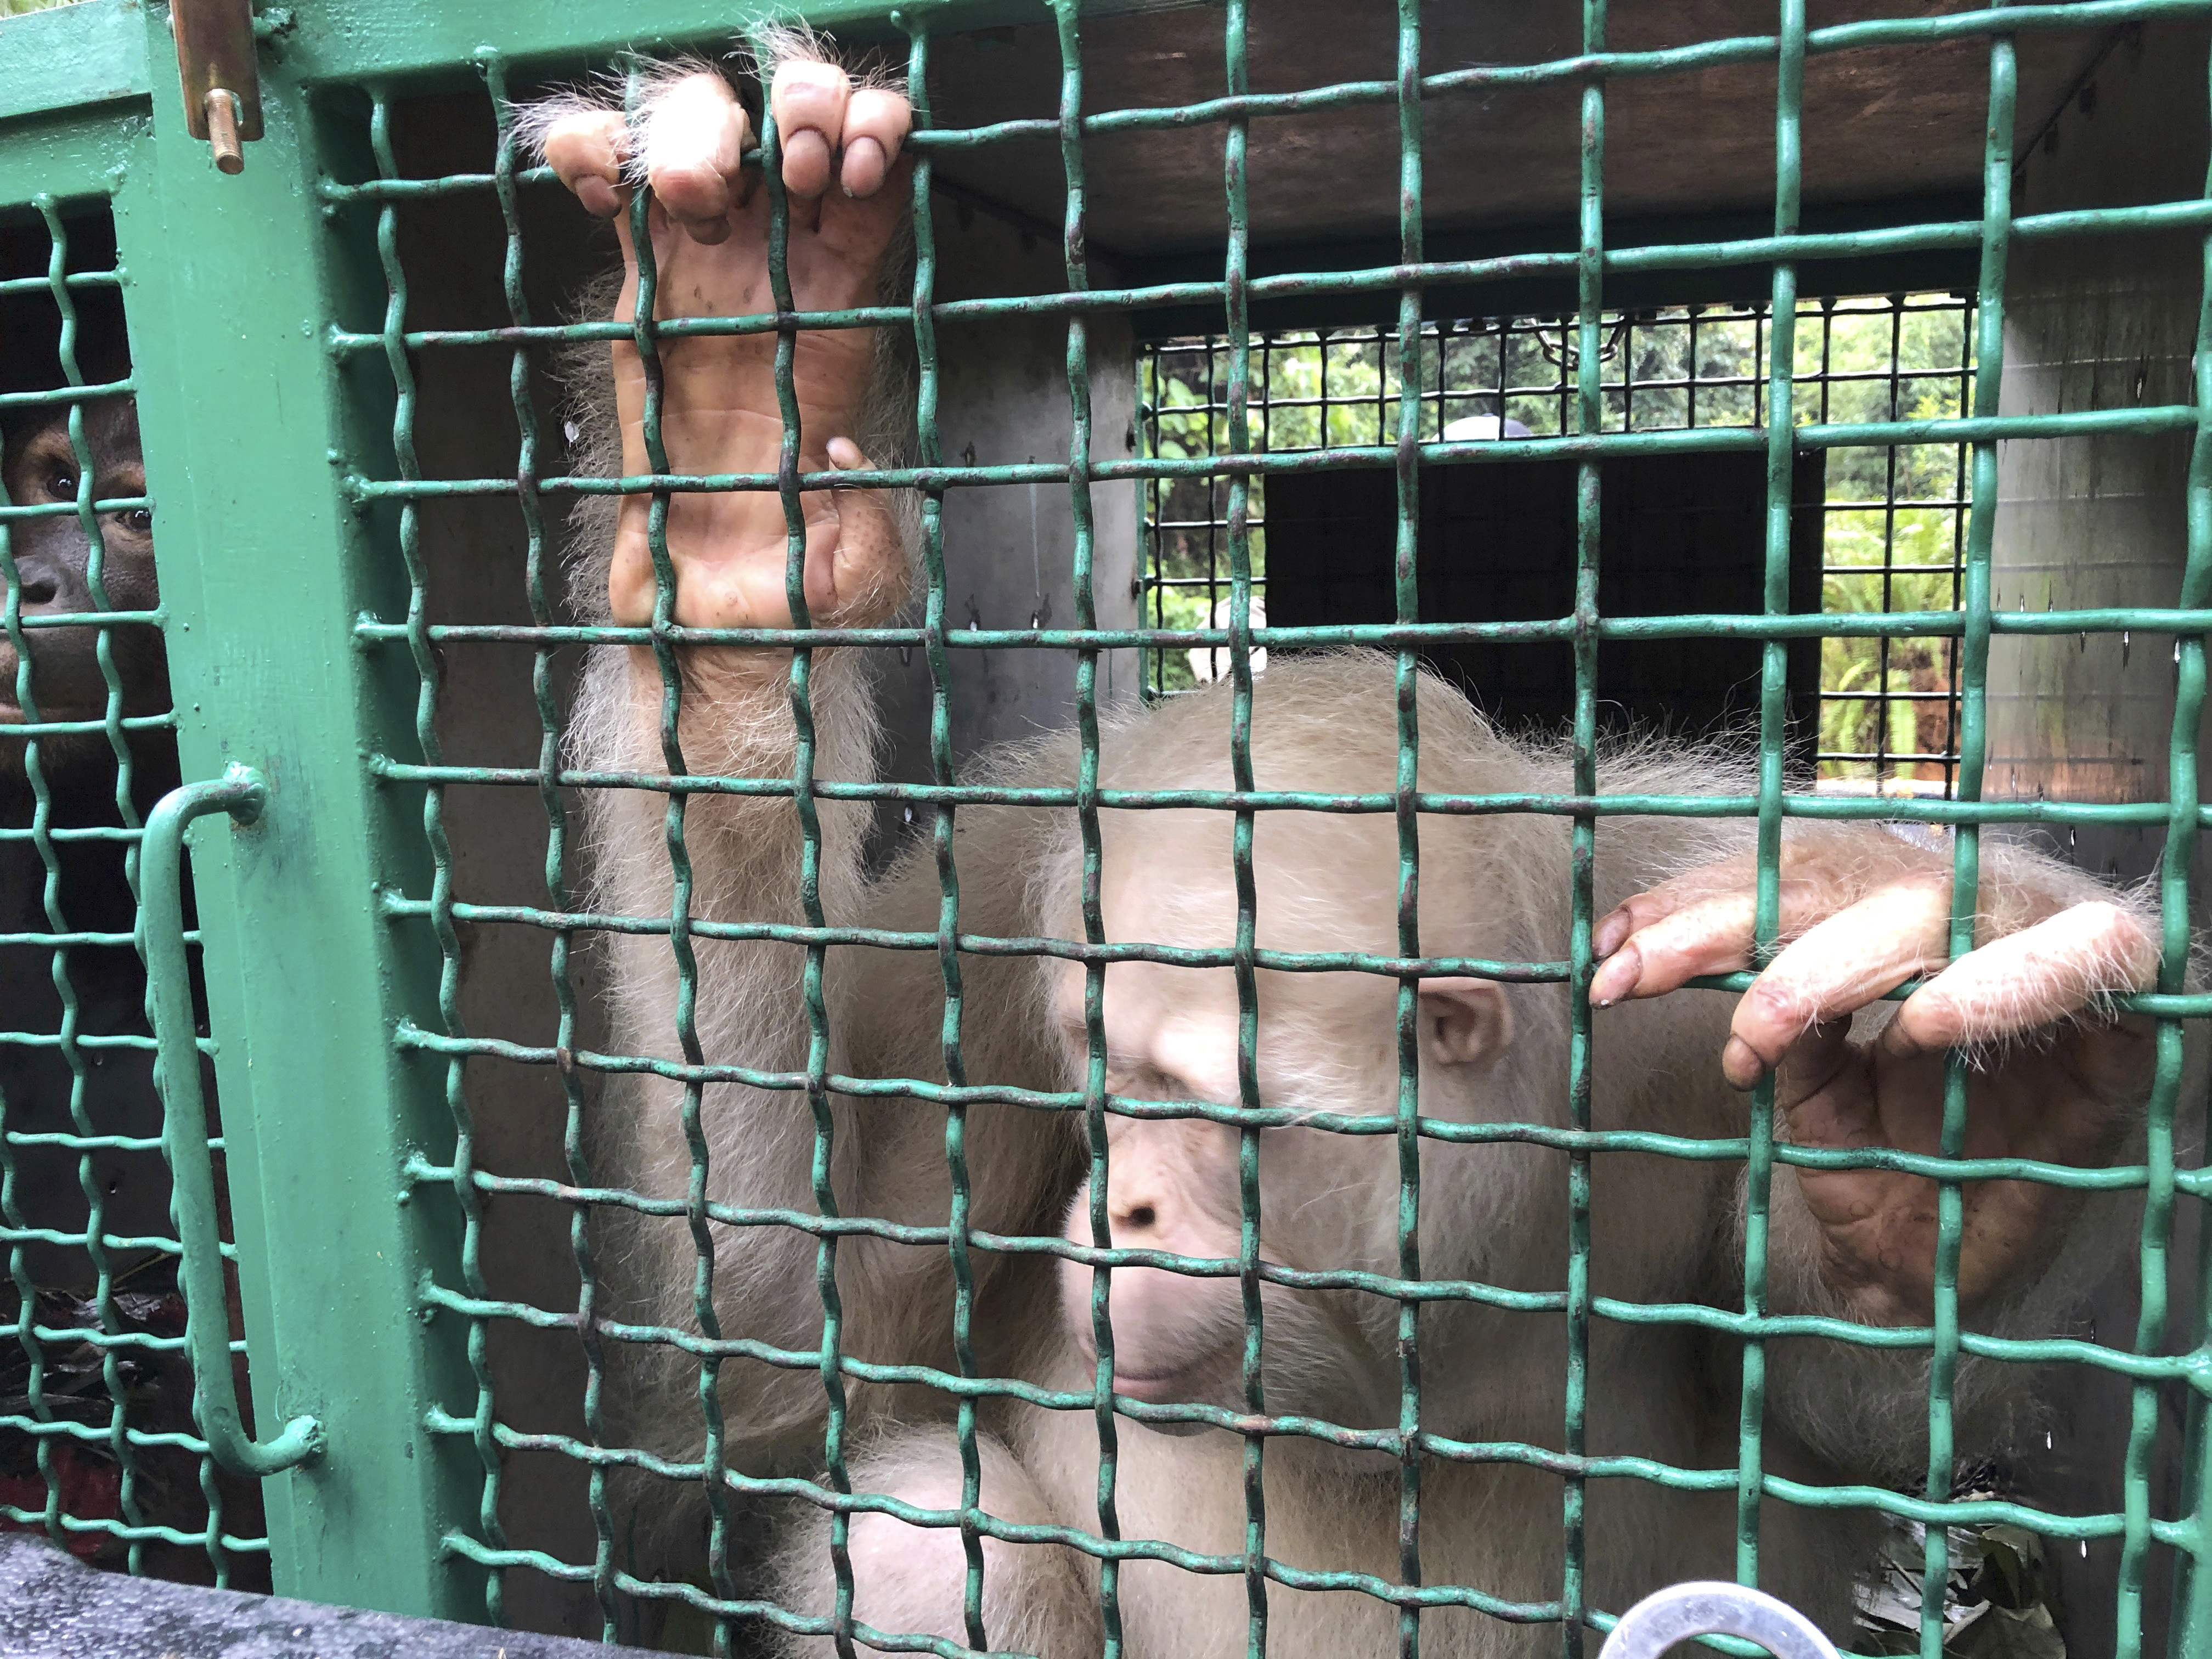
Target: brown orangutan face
x,y
53,555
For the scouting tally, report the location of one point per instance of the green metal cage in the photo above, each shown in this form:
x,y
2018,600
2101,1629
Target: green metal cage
x,y
316,624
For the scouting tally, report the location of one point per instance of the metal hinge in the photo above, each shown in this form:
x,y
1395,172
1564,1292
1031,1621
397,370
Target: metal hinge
x,y
215,67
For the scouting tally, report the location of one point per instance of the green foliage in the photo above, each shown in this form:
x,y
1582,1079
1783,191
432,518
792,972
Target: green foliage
x,y
1865,359
17,7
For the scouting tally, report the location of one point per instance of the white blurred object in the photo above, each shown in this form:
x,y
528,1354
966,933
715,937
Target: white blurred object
x,y
1211,663
1679,1611
1474,428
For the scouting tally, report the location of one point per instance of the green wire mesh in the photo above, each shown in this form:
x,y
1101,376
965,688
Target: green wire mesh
x,y
98,1450
1781,427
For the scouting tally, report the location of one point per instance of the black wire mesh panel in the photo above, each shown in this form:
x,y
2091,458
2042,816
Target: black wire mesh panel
x,y
1894,516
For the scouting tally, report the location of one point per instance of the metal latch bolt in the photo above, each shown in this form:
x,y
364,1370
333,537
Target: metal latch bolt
x,y
215,69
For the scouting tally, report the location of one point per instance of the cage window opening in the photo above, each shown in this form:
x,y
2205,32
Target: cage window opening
x,y
1892,539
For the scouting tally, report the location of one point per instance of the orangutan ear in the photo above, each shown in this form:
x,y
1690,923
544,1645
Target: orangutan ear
x,y
1464,1022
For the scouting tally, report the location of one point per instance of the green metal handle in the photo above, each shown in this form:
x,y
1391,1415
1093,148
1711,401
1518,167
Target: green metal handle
x,y
242,793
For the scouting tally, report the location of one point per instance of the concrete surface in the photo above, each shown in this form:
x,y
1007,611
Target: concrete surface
x,y
52,1607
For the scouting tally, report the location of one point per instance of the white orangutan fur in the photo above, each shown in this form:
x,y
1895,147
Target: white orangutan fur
x,y
1493,1213
1663,1230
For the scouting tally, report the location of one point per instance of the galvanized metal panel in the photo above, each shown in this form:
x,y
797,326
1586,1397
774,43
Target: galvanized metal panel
x,y
73,58
73,154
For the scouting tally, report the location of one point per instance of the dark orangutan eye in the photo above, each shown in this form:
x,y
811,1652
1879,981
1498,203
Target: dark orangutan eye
x,y
1141,1081
61,484
139,520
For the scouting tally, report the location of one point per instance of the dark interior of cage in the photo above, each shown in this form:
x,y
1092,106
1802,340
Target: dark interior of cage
x,y
110,1465
1894,138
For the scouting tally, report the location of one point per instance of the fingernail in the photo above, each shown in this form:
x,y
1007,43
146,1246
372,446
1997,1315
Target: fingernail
x,y
806,152
1611,930
1615,978
1896,1040
865,166
1740,1064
